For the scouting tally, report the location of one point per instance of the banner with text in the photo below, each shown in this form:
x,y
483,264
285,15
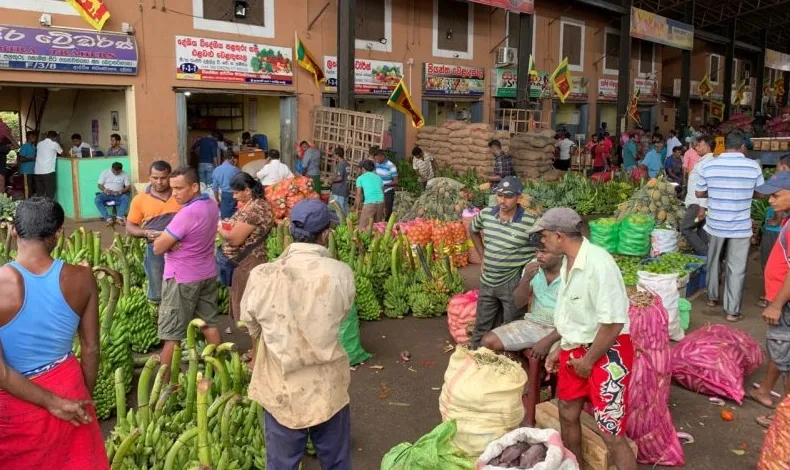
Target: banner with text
x,y
519,6
651,27
777,60
648,89
217,60
55,50
443,79
371,77
607,89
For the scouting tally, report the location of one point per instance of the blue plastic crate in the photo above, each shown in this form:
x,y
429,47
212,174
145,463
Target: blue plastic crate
x,y
697,280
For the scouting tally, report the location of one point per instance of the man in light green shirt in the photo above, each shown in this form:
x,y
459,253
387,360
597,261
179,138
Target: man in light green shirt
x,y
595,358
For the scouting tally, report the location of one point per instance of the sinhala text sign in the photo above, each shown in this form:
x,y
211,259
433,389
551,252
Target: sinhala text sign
x,y
230,61
443,79
655,28
371,77
55,50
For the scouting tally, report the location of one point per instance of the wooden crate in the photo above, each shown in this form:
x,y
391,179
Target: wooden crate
x,y
355,132
594,452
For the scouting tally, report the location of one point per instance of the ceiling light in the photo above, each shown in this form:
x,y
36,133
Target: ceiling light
x,y
241,9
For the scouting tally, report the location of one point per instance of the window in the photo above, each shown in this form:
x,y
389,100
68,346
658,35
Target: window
x,y
714,66
374,25
59,7
453,29
611,51
213,15
647,63
572,43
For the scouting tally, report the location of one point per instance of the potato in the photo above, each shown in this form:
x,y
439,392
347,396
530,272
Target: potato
x,y
532,456
513,453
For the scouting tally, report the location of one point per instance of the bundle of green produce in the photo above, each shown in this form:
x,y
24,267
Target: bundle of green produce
x,y
634,237
605,233
135,311
408,182
445,200
81,247
223,299
6,254
361,263
656,199
629,266
192,421
759,211
768,172
127,255
579,193
433,285
7,208
404,202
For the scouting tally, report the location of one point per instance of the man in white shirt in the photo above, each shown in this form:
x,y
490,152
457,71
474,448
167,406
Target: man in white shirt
x,y
47,152
565,146
274,171
673,141
693,225
115,186
77,145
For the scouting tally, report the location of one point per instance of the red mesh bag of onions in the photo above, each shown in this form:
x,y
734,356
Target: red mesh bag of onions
x,y
649,421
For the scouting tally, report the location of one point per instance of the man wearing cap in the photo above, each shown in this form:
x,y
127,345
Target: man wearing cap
x,y
591,317
777,292
294,307
505,252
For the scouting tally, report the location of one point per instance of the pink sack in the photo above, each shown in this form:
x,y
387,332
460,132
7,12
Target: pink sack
x,y
461,311
649,421
714,361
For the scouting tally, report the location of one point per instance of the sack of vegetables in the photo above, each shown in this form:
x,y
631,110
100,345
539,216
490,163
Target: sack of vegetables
x,y
528,448
605,233
433,451
285,194
635,233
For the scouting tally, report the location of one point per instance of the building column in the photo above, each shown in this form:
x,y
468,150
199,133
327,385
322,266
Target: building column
x,y
729,62
760,73
685,79
624,75
346,21
524,53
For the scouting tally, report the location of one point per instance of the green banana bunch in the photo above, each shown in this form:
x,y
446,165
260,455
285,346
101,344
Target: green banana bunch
x,y
396,286
367,304
135,312
223,299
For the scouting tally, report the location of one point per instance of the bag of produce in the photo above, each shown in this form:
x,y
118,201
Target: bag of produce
x,y
461,311
351,338
432,451
776,447
714,361
663,241
605,233
666,287
482,393
651,376
530,448
635,233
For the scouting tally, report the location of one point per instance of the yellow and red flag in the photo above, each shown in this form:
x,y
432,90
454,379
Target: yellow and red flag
x,y
740,93
562,80
400,99
94,12
717,110
779,86
705,87
306,60
633,107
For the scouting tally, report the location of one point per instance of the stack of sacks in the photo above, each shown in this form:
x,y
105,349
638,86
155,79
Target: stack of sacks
x,y
533,153
461,146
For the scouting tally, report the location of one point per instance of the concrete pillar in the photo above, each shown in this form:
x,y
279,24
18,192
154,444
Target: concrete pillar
x,y
760,73
624,75
524,52
685,79
729,63
346,21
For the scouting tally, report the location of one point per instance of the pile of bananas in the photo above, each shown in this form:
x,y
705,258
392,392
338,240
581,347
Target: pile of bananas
x,y
397,286
223,299
279,239
136,312
81,247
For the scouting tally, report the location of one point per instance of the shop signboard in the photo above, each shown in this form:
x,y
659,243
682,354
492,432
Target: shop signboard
x,y
654,28
371,77
59,50
648,89
777,60
505,81
215,60
693,92
519,6
580,90
607,89
453,80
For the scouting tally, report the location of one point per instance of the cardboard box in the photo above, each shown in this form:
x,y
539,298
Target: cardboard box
x,y
595,455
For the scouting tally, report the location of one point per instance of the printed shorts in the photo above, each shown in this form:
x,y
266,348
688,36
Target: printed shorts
x,y
607,386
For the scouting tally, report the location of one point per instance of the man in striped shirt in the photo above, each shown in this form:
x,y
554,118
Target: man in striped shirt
x,y
728,182
389,175
505,252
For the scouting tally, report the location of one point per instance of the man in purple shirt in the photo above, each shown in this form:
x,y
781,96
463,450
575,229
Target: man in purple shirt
x,y
189,288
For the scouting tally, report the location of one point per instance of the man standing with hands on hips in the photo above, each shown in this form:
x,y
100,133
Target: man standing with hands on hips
x,y
596,355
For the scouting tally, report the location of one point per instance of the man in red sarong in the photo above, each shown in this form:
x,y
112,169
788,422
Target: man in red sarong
x,y
46,420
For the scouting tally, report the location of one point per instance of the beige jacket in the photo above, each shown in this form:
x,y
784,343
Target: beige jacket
x,y
294,307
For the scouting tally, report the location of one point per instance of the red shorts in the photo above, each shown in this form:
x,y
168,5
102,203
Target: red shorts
x,y
607,386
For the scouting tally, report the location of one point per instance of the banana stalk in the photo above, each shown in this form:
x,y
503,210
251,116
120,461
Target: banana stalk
x,y
175,365
120,397
96,248
143,409
204,453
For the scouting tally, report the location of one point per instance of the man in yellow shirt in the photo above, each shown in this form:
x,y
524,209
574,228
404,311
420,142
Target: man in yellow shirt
x,y
596,355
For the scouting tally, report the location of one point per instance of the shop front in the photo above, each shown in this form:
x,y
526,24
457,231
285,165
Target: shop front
x,y
374,82
572,115
452,92
203,106
606,108
37,82
504,81
648,107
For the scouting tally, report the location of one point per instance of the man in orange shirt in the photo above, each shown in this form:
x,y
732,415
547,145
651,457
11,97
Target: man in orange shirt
x,y
149,214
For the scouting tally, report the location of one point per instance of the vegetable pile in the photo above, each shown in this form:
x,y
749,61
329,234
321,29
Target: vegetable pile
x,y
444,200
673,263
521,455
451,237
579,193
285,194
656,199
629,266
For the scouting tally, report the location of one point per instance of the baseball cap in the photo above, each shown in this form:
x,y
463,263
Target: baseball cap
x,y
777,182
509,184
561,219
311,216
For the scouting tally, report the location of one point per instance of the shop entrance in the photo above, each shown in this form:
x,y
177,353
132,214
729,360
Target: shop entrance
x,y
93,113
269,118
572,117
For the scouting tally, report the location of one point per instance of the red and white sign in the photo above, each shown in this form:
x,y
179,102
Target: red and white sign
x,y
519,6
607,88
371,77
648,89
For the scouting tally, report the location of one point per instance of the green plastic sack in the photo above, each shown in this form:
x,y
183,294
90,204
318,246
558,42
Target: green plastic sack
x,y
605,233
684,307
635,233
351,338
433,451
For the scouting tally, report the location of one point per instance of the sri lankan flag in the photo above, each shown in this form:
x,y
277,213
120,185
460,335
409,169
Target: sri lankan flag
x,y
705,87
533,71
779,86
562,80
740,93
633,107
306,60
717,110
94,12
400,99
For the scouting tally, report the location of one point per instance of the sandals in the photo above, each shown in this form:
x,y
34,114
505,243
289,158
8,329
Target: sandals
x,y
765,421
763,303
734,318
